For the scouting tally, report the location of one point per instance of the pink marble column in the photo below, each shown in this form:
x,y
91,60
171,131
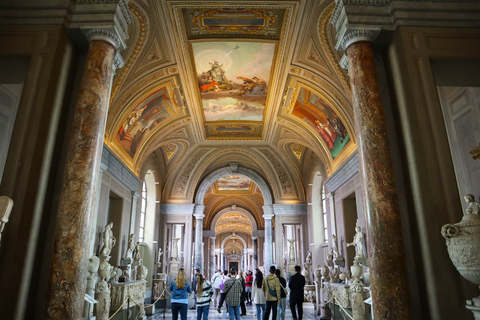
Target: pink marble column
x,y
76,207
385,241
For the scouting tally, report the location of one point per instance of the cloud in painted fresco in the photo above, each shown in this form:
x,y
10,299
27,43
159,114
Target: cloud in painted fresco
x,y
260,66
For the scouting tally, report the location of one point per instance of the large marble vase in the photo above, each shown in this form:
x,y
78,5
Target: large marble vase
x,y
463,243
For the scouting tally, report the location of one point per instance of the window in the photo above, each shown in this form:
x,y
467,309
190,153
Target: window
x,y
324,211
143,210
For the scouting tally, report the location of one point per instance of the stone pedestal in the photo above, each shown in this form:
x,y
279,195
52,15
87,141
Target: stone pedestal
x,y
102,295
349,297
135,290
385,243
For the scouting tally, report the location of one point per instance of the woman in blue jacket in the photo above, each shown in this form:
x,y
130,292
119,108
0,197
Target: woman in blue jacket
x,y
180,288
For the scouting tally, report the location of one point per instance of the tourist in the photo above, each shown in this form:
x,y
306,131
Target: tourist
x,y
296,285
271,288
216,280
180,288
257,294
225,277
204,292
283,296
241,277
233,291
248,287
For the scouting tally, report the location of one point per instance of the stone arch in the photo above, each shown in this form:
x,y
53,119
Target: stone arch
x,y
220,173
243,211
233,236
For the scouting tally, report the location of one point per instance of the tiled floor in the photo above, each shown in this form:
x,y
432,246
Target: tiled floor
x,y
251,314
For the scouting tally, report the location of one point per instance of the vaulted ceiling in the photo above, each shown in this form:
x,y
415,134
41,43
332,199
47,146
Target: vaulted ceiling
x,y
256,83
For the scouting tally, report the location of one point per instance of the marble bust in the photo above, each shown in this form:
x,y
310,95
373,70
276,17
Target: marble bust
x,y
473,206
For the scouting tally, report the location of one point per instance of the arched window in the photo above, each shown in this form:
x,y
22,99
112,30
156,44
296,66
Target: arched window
x,y
324,211
143,210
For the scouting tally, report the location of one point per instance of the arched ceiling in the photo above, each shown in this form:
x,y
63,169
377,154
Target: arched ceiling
x,y
233,222
210,84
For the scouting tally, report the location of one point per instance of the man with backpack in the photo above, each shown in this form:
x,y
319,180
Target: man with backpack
x,y
225,277
233,291
216,280
271,288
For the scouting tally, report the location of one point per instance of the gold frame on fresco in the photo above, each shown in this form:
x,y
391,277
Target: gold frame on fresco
x,y
177,113
199,96
349,148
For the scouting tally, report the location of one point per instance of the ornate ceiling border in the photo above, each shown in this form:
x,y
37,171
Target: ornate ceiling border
x,y
143,32
322,29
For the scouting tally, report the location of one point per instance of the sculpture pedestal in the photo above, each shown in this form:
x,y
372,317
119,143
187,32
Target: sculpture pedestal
x,y
135,290
174,266
348,297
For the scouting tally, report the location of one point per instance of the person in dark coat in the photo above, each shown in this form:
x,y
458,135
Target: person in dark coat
x,y
296,285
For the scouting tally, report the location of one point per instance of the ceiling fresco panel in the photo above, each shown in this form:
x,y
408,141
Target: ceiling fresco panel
x,y
318,113
143,118
233,183
233,22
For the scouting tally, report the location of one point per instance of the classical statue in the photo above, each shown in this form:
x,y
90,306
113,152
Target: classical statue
x,y
108,240
336,254
159,255
308,260
357,243
131,247
137,252
473,206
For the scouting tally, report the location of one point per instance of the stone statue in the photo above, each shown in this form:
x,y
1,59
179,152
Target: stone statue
x,y
137,252
308,260
93,264
159,255
131,247
473,206
291,256
329,259
336,254
357,243
108,240
6,205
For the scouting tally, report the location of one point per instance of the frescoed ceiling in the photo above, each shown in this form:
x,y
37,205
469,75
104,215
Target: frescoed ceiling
x,y
233,222
212,83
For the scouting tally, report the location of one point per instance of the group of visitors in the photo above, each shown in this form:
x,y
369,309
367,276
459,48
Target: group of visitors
x,y
268,293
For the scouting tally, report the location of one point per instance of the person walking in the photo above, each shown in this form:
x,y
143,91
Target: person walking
x,y
225,278
216,280
258,295
271,288
233,292
194,287
296,285
180,288
243,309
204,292
283,296
248,287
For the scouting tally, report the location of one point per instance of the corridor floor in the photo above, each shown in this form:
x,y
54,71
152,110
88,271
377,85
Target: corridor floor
x,y
251,313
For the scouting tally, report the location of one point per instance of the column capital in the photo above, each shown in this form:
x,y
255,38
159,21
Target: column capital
x,y
212,238
198,211
254,237
268,212
135,194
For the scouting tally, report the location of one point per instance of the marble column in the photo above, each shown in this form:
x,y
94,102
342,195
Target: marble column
x,y
245,260
212,256
385,242
255,252
74,222
198,214
268,253
222,265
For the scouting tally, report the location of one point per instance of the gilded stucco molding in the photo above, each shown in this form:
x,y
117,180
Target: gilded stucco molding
x,y
323,26
142,36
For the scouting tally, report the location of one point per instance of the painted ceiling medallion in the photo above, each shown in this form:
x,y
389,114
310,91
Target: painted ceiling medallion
x,y
233,22
170,150
297,149
315,111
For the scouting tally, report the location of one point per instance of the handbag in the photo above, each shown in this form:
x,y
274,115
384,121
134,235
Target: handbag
x,y
273,293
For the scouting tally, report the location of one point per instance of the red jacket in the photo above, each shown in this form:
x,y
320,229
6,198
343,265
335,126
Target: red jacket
x,y
248,281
